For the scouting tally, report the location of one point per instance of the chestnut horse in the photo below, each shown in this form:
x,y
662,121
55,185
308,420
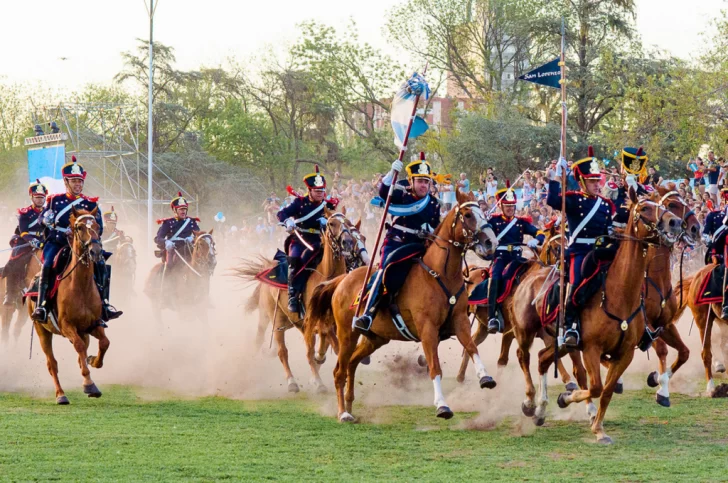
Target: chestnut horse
x,y
271,302
7,311
432,303
78,305
603,337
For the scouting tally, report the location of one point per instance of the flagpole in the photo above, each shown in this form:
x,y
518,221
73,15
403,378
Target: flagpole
x,y
561,320
402,151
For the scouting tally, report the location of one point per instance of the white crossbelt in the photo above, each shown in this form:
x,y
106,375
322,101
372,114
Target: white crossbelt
x,y
407,230
508,248
583,223
314,212
176,235
64,211
507,229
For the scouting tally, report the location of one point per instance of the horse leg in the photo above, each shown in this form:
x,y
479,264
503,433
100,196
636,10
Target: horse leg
x,y
461,325
581,376
20,321
704,318
670,336
46,343
97,361
719,366
616,369
365,348
7,317
525,340
430,341
505,348
563,373
80,344
347,340
263,320
280,336
591,359
309,337
479,336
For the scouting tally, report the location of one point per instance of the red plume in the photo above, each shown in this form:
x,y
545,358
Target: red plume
x,y
422,155
37,180
316,168
508,183
640,151
591,152
292,192
112,207
73,159
179,193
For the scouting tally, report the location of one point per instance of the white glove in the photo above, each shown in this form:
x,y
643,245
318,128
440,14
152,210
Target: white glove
x,y
322,222
706,239
48,218
190,238
561,166
169,245
396,166
34,243
631,182
532,243
289,224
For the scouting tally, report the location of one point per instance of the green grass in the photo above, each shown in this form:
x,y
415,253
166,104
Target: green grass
x,y
129,436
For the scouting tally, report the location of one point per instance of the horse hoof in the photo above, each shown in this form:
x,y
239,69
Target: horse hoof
x,y
321,389
346,418
652,379
62,401
571,387
460,378
366,361
718,367
662,400
320,361
561,401
293,387
487,382
539,421
422,361
444,412
528,410
619,388
91,390
605,440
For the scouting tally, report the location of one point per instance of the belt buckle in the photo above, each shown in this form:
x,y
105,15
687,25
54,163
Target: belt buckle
x,y
510,248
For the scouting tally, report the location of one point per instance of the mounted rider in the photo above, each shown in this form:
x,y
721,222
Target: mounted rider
x,y
177,232
56,217
714,235
304,219
589,217
112,235
27,237
509,230
416,214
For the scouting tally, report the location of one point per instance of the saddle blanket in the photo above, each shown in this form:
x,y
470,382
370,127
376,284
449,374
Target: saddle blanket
x,y
277,275
512,275
711,291
591,283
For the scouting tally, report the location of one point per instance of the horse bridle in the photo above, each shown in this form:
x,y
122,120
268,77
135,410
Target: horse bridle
x,y
685,215
353,232
85,245
209,265
469,235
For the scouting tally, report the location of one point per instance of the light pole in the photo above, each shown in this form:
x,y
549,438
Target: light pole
x,y
150,139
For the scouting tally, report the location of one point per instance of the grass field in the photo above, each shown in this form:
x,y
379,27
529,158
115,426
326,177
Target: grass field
x,y
131,434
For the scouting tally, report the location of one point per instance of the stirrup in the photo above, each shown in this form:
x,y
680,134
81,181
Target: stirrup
x,y
110,312
294,305
363,322
494,325
571,339
39,314
724,313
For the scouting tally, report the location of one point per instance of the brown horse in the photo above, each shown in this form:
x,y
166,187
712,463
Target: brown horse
x,y
603,337
271,302
78,305
7,311
547,256
125,265
432,304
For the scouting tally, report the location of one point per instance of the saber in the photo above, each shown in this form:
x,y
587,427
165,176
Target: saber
x,y
13,248
275,312
303,242
188,265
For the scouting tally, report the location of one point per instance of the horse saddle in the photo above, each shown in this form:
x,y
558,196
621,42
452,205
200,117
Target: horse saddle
x,y
277,275
711,291
512,276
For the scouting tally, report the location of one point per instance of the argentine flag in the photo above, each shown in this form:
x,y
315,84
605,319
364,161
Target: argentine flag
x,y
402,106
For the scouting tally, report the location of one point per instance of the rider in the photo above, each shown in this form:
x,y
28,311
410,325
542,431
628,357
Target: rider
x,y
56,217
416,214
175,232
27,237
589,217
509,230
304,220
114,235
714,234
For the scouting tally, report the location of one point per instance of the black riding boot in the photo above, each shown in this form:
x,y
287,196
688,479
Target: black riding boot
x,y
102,275
572,329
12,283
494,323
40,314
294,302
364,321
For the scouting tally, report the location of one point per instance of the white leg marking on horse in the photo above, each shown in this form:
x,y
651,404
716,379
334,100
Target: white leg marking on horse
x,y
543,396
620,380
591,409
291,380
664,381
711,387
479,367
439,397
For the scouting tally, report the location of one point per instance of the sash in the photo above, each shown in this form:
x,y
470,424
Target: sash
x,y
507,228
403,210
586,220
181,228
318,209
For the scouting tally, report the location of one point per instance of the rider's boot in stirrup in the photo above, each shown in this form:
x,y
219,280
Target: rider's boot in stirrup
x,y
494,323
294,303
572,332
102,274
40,313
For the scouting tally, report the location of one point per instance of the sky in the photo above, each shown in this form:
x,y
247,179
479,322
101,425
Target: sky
x,y
37,35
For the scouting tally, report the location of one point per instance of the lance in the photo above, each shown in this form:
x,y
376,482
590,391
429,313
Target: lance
x,y
561,319
402,150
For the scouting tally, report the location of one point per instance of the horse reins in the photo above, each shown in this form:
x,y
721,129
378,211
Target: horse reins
x,y
86,253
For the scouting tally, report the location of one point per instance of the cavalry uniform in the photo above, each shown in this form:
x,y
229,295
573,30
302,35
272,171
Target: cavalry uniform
x,y
589,218
619,196
509,231
714,234
111,238
414,218
305,220
27,237
175,234
56,217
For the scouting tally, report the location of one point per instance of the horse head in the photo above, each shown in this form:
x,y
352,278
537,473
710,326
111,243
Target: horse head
x,y
337,235
84,233
671,199
475,233
204,254
651,222
353,242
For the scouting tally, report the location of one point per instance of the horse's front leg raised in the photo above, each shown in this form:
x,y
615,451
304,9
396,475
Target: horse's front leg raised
x,y
80,344
97,361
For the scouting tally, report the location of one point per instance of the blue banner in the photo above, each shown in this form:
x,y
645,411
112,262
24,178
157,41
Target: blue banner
x,y
547,75
45,163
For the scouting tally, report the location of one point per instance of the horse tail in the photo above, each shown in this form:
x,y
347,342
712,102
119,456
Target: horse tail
x,y
319,309
248,269
253,302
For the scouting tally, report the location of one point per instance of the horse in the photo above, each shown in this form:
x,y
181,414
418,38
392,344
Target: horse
x,y
605,336
547,256
661,301
78,307
6,311
125,265
184,284
271,302
432,306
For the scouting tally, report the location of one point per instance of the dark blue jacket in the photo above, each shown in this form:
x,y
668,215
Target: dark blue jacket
x,y
514,236
168,229
302,206
57,204
402,196
29,225
713,222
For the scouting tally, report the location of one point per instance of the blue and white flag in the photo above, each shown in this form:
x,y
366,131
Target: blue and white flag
x,y
402,106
